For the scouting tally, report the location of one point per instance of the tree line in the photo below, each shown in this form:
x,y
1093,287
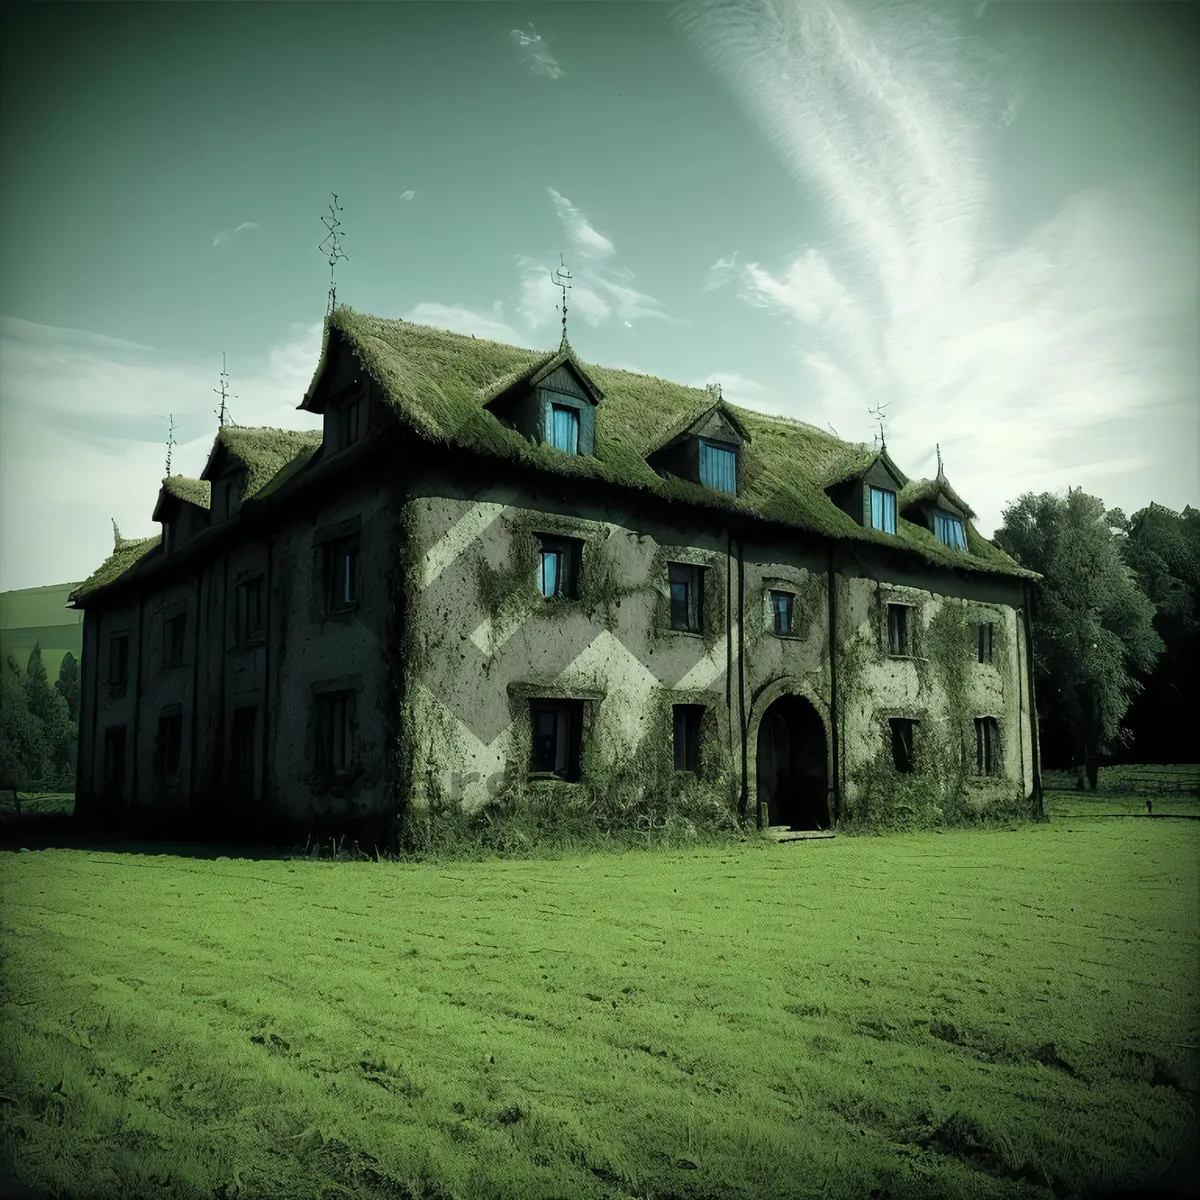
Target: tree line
x,y
1116,630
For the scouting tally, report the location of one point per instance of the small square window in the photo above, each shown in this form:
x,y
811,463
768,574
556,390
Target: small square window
x,y
333,733
250,608
949,530
114,756
556,728
174,630
558,566
985,643
118,658
883,510
897,629
987,746
687,719
686,583
718,466
564,428
902,744
168,744
341,574
782,611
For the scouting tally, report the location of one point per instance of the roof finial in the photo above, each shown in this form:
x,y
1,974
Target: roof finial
x,y
878,413
333,246
561,279
939,458
713,388
223,391
171,443
117,539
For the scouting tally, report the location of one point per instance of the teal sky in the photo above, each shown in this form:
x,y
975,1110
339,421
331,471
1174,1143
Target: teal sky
x,y
982,216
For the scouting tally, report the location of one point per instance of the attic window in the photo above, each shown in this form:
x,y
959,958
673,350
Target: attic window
x,y
718,466
949,530
564,428
883,510
349,423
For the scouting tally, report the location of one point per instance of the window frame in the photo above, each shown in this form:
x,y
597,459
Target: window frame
x,y
774,595
686,723
243,630
987,638
334,724
988,761
887,508
905,639
569,552
713,444
168,744
554,407
568,725
337,550
903,732
174,648
121,677
951,521
694,602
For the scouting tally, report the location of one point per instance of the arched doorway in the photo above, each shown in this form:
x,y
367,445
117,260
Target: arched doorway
x,y
790,765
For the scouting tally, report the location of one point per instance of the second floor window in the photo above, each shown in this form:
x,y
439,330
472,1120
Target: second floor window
x,y
348,423
782,611
250,608
718,466
883,510
173,634
903,756
118,658
564,428
685,581
558,567
985,643
949,530
897,629
341,574
333,733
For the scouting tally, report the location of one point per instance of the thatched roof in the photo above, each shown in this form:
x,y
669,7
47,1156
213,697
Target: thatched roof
x,y
193,491
917,491
437,383
264,452
128,552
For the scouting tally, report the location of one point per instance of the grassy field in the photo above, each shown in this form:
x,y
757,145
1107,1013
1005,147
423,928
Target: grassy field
x,y
995,1012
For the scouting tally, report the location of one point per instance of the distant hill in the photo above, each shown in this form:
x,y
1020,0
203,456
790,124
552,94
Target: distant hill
x,y
29,615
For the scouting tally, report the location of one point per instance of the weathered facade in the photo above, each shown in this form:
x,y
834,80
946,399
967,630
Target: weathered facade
x,y
496,574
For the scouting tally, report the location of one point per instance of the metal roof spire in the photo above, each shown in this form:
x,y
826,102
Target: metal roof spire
x,y
561,279
333,247
171,443
223,391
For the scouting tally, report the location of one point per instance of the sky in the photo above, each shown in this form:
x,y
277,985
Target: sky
x,y
980,220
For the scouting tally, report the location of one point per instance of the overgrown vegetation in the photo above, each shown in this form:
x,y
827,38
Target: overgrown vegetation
x,y
843,1018
38,724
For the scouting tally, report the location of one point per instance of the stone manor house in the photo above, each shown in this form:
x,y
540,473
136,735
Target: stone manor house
x,y
497,572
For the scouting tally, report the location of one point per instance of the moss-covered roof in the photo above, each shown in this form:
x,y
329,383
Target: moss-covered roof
x,y
194,491
437,382
918,491
264,452
128,552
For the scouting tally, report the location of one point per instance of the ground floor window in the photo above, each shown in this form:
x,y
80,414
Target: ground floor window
x,y
902,744
333,732
557,730
987,746
114,756
169,743
687,718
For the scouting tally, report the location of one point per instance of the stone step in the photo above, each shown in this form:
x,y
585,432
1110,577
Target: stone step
x,y
785,833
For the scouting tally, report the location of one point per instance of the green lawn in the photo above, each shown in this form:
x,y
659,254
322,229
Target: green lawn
x,y
978,1013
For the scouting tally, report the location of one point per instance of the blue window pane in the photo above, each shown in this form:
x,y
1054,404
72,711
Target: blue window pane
x,y
548,573
949,530
564,428
718,467
883,510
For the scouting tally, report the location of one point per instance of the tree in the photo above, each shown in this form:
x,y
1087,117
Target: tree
x,y
1162,547
50,711
23,746
67,685
1092,627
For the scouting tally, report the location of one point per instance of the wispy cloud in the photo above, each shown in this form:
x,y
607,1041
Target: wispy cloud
x,y
102,404
535,53
723,271
224,235
462,319
601,290
1012,356
408,195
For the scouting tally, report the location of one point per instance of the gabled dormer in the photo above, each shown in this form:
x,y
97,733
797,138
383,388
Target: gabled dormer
x,y
707,451
553,402
225,473
935,505
871,494
340,392
183,507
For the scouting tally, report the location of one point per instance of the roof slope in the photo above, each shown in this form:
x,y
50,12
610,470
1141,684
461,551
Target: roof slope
x,y
264,450
128,552
437,383
194,491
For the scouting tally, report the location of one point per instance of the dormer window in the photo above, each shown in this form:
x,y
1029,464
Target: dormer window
x,y
168,536
349,423
718,466
231,496
948,529
883,510
564,428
